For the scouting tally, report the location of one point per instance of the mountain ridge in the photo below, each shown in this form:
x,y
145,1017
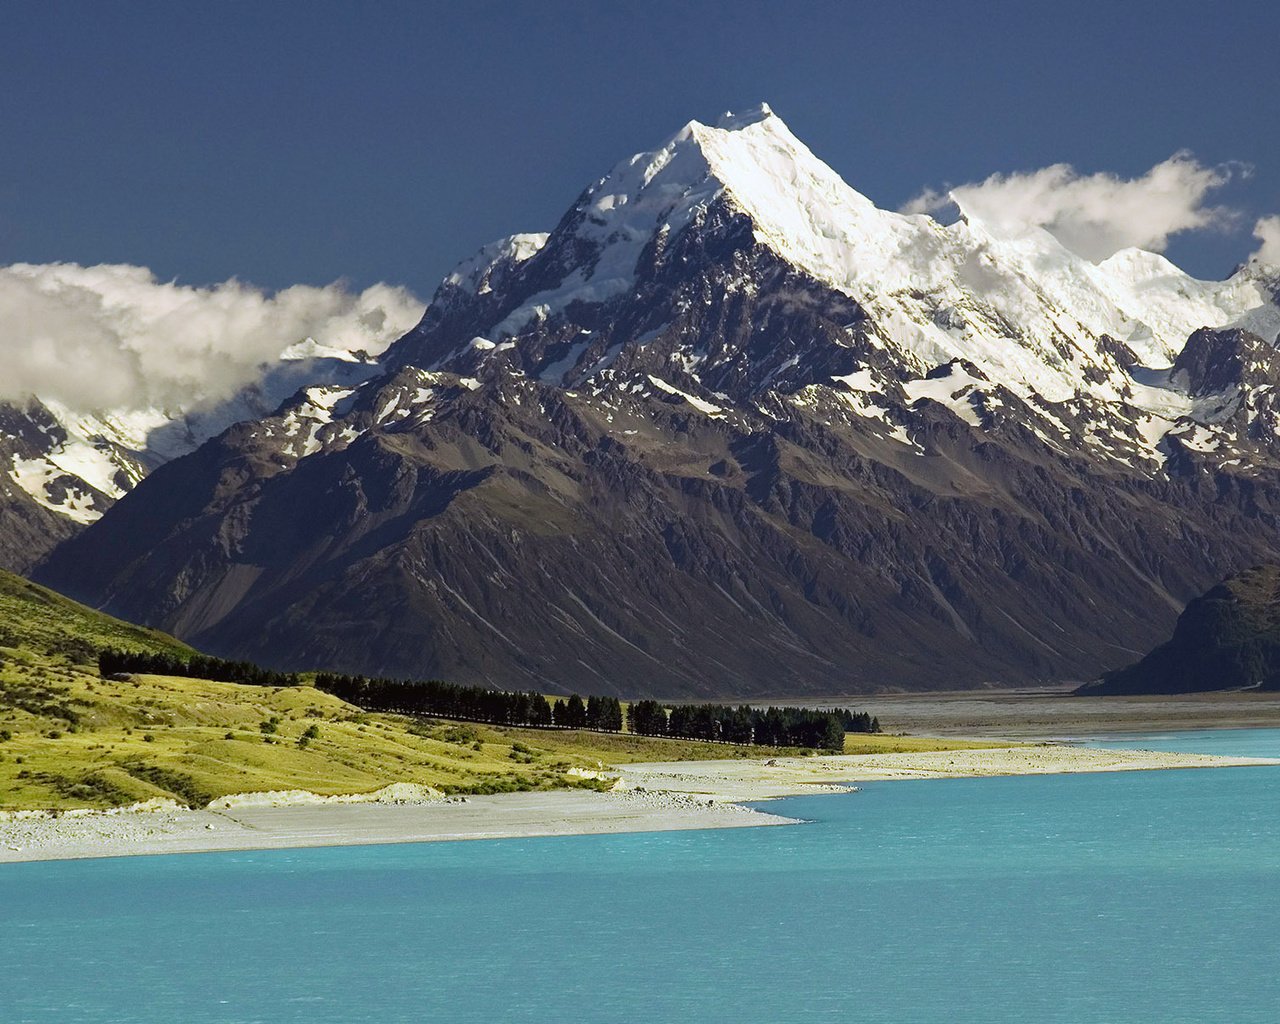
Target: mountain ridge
x,y
655,451
111,372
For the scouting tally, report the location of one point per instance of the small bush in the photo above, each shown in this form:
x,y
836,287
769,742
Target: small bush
x,y
148,738
459,734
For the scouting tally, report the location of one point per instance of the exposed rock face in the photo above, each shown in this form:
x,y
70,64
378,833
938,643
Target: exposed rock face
x,y
31,526
523,534
61,470
698,441
1216,362
1226,639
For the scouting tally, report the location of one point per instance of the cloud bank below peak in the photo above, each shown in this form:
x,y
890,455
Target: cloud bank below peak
x,y
1267,232
1095,215
112,337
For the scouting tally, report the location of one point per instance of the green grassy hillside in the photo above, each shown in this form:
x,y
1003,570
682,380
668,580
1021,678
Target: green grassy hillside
x,y
71,739
44,623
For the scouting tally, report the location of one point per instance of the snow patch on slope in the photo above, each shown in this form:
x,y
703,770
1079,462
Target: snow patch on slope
x,y
953,390
698,403
472,275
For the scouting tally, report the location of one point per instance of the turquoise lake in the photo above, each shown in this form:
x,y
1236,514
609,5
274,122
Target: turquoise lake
x,y
1148,897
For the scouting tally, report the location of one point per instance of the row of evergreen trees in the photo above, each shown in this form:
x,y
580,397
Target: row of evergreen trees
x,y
603,713
474,703
196,666
857,721
774,726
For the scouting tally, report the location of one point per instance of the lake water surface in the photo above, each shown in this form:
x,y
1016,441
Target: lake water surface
x,y
1240,742
1148,897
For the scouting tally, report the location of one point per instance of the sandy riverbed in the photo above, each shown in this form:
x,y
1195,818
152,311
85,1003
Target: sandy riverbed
x,y
650,797
1053,713
788,776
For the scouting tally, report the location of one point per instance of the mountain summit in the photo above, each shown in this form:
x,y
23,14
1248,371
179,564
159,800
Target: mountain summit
x,y
731,429
1027,311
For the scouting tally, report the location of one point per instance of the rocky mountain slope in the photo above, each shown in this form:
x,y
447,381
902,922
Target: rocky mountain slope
x,y
66,468
1226,639
731,429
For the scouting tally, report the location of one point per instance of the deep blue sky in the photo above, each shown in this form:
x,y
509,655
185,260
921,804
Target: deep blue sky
x,y
286,143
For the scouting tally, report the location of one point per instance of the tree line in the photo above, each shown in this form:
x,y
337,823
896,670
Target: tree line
x,y
858,721
196,666
773,727
475,703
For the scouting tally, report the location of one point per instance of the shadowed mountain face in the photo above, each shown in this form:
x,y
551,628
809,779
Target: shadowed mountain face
x,y
730,430
1226,639
30,528
61,470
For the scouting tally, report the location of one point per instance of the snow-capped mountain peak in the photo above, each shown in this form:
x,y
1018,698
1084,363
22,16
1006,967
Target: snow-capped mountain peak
x,y
730,121
732,264
1034,316
717,230
473,275
793,430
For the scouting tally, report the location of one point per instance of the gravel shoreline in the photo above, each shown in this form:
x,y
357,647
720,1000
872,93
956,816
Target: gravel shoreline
x,y
260,826
648,797
788,776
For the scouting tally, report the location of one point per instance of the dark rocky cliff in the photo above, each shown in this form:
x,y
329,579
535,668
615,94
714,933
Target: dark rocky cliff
x,y
1226,639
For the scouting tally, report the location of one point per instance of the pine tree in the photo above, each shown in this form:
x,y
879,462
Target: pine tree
x,y
575,712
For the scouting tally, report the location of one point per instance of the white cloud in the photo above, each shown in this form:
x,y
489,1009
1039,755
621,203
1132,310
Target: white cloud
x,y
113,337
1267,231
1094,215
